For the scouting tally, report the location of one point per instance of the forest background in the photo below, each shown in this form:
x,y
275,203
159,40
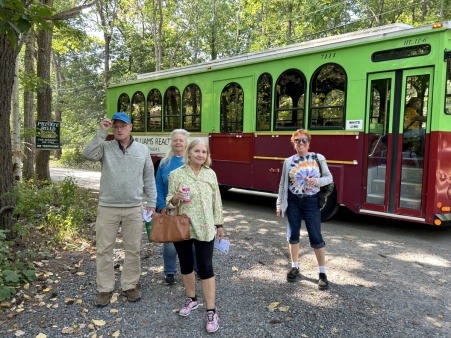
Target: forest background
x,y
57,58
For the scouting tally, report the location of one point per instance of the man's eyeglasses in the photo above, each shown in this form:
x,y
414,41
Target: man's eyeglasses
x,y
120,127
303,140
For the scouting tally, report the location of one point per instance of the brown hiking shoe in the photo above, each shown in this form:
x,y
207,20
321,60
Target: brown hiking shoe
x,y
103,299
133,295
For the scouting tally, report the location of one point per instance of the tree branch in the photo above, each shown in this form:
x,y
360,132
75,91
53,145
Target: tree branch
x,y
70,13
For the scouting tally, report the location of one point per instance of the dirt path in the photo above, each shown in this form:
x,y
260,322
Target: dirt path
x,y
388,279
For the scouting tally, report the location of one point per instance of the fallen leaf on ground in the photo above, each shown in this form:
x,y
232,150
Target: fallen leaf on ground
x,y
283,308
68,330
113,298
98,322
272,306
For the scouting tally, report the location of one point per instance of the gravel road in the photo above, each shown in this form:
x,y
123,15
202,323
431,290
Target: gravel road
x,y
387,279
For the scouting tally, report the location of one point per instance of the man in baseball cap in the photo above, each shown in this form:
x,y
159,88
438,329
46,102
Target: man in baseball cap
x,y
127,172
121,117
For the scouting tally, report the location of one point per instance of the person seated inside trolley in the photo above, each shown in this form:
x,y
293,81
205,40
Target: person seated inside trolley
x,y
414,134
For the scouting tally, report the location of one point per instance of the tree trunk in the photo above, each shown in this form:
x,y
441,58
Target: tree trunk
x,y
59,83
16,122
157,16
7,61
106,28
214,53
44,95
28,99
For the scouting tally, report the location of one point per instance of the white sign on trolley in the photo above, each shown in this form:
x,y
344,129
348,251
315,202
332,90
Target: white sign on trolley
x,y
354,124
159,144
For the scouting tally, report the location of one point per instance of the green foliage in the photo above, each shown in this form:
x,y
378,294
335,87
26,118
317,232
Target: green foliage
x,y
72,158
17,17
57,211
12,272
48,215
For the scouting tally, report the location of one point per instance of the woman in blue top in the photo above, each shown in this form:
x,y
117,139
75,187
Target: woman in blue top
x,y
298,198
172,160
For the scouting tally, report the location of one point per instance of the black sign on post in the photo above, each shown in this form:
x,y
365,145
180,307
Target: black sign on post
x,y
48,134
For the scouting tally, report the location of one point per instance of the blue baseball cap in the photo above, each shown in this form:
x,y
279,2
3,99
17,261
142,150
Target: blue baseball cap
x,y
121,117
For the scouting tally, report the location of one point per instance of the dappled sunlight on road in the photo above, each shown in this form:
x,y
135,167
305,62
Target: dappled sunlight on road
x,y
422,259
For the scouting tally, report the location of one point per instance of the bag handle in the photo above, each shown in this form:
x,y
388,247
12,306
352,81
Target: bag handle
x,y
166,208
319,166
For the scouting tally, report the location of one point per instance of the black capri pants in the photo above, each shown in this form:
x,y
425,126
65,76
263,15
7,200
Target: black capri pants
x,y
204,257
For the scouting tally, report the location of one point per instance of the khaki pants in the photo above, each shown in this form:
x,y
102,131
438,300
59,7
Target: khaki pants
x,y
107,225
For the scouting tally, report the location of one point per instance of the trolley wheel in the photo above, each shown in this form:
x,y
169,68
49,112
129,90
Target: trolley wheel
x,y
330,208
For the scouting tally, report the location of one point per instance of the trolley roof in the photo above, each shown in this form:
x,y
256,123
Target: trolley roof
x,y
335,41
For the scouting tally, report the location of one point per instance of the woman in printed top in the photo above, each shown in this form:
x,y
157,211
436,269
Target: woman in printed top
x,y
205,212
298,199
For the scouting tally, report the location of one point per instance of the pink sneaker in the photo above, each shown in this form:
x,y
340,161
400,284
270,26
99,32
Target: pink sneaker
x,y
212,322
188,307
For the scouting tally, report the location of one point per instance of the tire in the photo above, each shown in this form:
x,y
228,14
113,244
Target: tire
x,y
330,208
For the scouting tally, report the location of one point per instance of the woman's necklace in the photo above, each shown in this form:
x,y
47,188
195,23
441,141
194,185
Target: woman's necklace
x,y
196,171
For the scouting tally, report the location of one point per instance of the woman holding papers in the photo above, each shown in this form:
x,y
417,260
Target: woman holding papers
x,y
298,199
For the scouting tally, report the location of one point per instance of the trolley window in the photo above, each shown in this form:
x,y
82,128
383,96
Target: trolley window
x,y
327,99
232,108
123,103
154,110
448,88
401,53
264,97
289,100
137,111
191,108
171,109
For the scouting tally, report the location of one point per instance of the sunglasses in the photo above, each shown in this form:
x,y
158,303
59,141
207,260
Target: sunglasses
x,y
303,140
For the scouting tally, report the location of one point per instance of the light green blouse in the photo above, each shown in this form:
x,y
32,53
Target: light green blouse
x,y
205,208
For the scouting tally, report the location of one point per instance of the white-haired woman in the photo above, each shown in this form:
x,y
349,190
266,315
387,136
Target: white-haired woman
x,y
173,160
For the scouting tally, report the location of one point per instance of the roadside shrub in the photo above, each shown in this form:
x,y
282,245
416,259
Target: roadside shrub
x,y
48,215
73,158
12,272
57,211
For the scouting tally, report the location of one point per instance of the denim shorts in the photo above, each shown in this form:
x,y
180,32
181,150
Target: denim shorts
x,y
307,209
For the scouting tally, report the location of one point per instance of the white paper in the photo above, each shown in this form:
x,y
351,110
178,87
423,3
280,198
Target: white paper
x,y
147,216
222,245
